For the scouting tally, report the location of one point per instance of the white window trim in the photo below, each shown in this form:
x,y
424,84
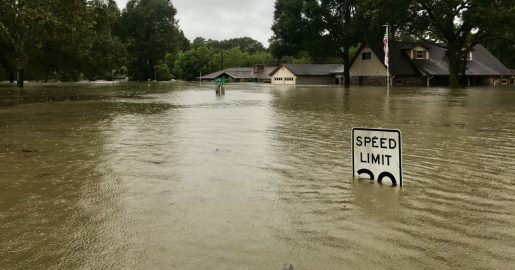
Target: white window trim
x,y
421,54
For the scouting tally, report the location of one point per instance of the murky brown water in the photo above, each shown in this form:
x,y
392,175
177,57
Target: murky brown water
x,y
260,178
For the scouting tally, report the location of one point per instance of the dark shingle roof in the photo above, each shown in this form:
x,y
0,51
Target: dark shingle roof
x,y
235,73
483,62
311,69
240,73
399,62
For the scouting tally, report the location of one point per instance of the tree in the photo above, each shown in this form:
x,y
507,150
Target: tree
x,y
245,44
289,27
374,14
107,52
501,42
191,63
307,26
502,45
457,26
151,31
338,22
43,34
22,26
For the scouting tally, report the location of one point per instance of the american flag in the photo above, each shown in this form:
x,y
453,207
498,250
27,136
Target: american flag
x,y
386,48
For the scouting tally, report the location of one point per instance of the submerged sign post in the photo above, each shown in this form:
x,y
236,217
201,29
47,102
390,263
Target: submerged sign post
x,y
377,153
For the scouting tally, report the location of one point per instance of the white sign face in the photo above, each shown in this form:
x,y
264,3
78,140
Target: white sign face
x,y
377,154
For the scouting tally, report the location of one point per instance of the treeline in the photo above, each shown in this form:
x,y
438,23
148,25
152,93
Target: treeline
x,y
74,39
325,29
59,40
206,56
70,40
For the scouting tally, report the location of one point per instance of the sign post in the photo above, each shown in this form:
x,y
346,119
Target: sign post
x,y
377,153
219,90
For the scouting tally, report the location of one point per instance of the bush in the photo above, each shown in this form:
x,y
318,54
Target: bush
x,y
162,72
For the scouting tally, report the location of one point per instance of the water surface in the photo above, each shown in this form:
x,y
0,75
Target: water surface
x,y
257,179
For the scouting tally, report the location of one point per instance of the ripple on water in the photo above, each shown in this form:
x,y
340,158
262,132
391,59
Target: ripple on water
x,y
258,179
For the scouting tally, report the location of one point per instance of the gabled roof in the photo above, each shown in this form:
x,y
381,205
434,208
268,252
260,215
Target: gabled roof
x,y
240,73
311,69
483,62
235,73
399,62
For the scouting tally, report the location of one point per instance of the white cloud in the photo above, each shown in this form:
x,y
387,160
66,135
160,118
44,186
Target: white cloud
x,y
223,19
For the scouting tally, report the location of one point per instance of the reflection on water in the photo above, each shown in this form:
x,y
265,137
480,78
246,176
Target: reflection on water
x,y
257,179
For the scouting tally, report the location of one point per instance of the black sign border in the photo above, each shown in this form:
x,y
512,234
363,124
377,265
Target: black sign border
x,y
379,129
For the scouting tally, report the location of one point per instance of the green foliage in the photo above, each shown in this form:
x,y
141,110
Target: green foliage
x,y
59,40
245,44
373,15
458,25
107,52
502,42
205,60
150,29
289,28
310,31
163,72
331,28
191,63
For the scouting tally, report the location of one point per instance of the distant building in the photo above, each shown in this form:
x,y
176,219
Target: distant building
x,y
307,74
258,73
415,63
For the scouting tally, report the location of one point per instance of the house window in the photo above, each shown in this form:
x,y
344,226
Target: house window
x,y
420,54
278,79
288,79
366,56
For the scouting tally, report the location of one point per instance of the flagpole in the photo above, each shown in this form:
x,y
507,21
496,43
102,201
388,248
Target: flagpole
x,y
388,57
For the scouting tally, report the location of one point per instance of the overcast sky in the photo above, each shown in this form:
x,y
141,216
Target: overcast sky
x,y
223,19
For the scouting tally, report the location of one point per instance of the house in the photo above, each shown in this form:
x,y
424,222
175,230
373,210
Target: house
x,y
416,63
307,74
258,73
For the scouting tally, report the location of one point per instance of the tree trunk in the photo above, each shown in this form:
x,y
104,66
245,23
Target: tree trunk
x,y
11,76
21,77
346,65
454,70
346,61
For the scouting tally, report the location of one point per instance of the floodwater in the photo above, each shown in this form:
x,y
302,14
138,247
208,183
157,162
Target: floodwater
x,y
258,179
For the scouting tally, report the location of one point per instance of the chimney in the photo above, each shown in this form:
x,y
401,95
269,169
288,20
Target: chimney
x,y
259,68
